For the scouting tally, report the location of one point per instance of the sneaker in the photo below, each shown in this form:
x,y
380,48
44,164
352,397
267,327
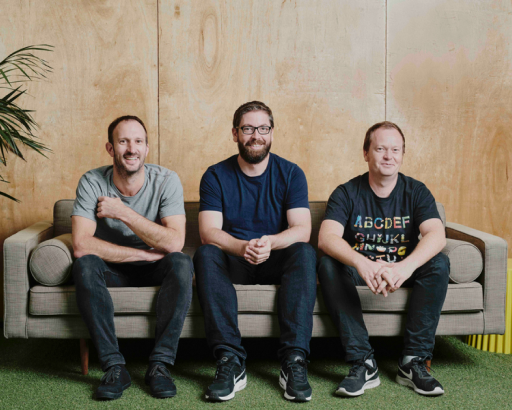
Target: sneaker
x,y
294,378
158,378
361,376
115,380
415,374
229,378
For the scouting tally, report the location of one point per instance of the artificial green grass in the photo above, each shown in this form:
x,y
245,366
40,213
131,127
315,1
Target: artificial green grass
x,y
45,374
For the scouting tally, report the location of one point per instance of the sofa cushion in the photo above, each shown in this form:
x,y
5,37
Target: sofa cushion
x,y
258,299
51,261
466,262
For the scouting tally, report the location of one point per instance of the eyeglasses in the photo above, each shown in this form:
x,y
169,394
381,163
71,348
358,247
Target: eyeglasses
x,y
262,129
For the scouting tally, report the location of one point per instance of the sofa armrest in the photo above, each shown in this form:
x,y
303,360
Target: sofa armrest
x,y
17,250
494,277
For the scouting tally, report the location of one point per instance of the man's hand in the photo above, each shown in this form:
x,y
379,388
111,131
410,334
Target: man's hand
x,y
393,275
368,270
110,207
153,255
257,250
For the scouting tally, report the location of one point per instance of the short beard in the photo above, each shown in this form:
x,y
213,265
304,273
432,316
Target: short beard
x,y
252,157
122,171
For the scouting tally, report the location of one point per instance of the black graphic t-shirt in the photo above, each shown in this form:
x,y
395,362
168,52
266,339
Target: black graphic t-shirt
x,y
382,228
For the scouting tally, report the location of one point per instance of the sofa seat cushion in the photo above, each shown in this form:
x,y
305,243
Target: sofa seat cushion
x,y
61,300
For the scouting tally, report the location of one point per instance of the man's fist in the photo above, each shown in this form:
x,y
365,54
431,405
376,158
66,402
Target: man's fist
x,y
110,207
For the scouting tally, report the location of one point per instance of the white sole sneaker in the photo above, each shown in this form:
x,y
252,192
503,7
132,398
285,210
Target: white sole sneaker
x,y
240,385
368,385
409,383
282,383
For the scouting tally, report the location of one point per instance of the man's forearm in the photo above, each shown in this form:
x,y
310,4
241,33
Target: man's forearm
x,y
290,236
156,236
110,252
339,249
428,247
223,240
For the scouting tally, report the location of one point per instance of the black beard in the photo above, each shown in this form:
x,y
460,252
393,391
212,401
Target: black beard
x,y
252,157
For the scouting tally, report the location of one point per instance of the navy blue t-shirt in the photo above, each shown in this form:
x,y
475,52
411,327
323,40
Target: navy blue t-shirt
x,y
382,228
253,206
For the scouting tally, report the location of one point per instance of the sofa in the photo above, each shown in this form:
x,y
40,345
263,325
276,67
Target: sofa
x,y
474,304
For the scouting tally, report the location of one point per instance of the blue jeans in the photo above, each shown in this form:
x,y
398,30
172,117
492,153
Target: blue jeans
x,y
293,268
429,284
93,276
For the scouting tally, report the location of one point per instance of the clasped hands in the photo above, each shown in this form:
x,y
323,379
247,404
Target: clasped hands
x,y
257,251
383,277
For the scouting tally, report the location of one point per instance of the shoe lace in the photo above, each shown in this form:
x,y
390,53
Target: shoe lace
x,y
111,375
358,364
422,367
160,371
298,369
224,367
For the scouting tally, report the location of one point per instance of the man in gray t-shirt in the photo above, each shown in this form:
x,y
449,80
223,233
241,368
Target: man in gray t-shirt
x,y
128,225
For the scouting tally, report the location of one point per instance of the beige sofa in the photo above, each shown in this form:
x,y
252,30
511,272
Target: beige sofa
x,y
36,311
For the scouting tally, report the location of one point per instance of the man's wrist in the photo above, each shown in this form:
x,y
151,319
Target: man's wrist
x,y
127,215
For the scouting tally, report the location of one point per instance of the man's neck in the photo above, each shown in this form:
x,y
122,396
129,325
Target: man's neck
x,y
382,186
129,185
253,170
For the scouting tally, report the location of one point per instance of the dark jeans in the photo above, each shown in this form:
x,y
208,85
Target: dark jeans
x,y
93,276
293,268
429,284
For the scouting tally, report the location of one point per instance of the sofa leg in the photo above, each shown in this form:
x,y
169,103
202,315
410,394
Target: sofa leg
x,y
84,356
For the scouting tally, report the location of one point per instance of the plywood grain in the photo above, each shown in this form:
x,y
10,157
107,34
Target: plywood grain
x,y
318,65
450,87
105,65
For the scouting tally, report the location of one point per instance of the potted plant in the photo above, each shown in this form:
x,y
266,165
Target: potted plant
x,y
17,126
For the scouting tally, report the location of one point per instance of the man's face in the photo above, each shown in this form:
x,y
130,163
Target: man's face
x,y
129,149
253,148
386,154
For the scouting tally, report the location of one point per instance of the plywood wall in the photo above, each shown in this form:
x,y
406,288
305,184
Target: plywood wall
x,y
318,65
329,69
449,84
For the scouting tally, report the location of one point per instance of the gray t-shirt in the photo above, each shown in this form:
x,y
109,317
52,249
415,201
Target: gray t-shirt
x,y
160,196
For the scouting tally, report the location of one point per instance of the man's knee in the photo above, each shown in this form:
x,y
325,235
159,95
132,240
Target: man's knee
x,y
206,253
181,265
86,269
328,268
442,265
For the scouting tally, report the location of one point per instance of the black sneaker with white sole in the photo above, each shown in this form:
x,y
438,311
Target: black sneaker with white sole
x,y
229,378
415,375
294,378
361,376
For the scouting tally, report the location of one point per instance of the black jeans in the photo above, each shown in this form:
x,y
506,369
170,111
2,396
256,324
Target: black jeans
x,y
93,276
293,268
429,284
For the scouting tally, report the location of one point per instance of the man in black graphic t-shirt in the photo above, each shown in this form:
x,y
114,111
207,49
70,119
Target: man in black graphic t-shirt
x,y
370,234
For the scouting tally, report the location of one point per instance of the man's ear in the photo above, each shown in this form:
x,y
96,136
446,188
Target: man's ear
x,y
365,155
234,131
110,149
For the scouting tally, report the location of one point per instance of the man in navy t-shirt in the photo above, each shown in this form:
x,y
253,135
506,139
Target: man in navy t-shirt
x,y
255,222
370,234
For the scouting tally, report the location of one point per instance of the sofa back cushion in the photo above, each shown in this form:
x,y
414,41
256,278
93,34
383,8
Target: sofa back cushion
x,y
63,208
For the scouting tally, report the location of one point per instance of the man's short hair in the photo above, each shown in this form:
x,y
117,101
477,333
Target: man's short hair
x,y
116,122
251,106
384,124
